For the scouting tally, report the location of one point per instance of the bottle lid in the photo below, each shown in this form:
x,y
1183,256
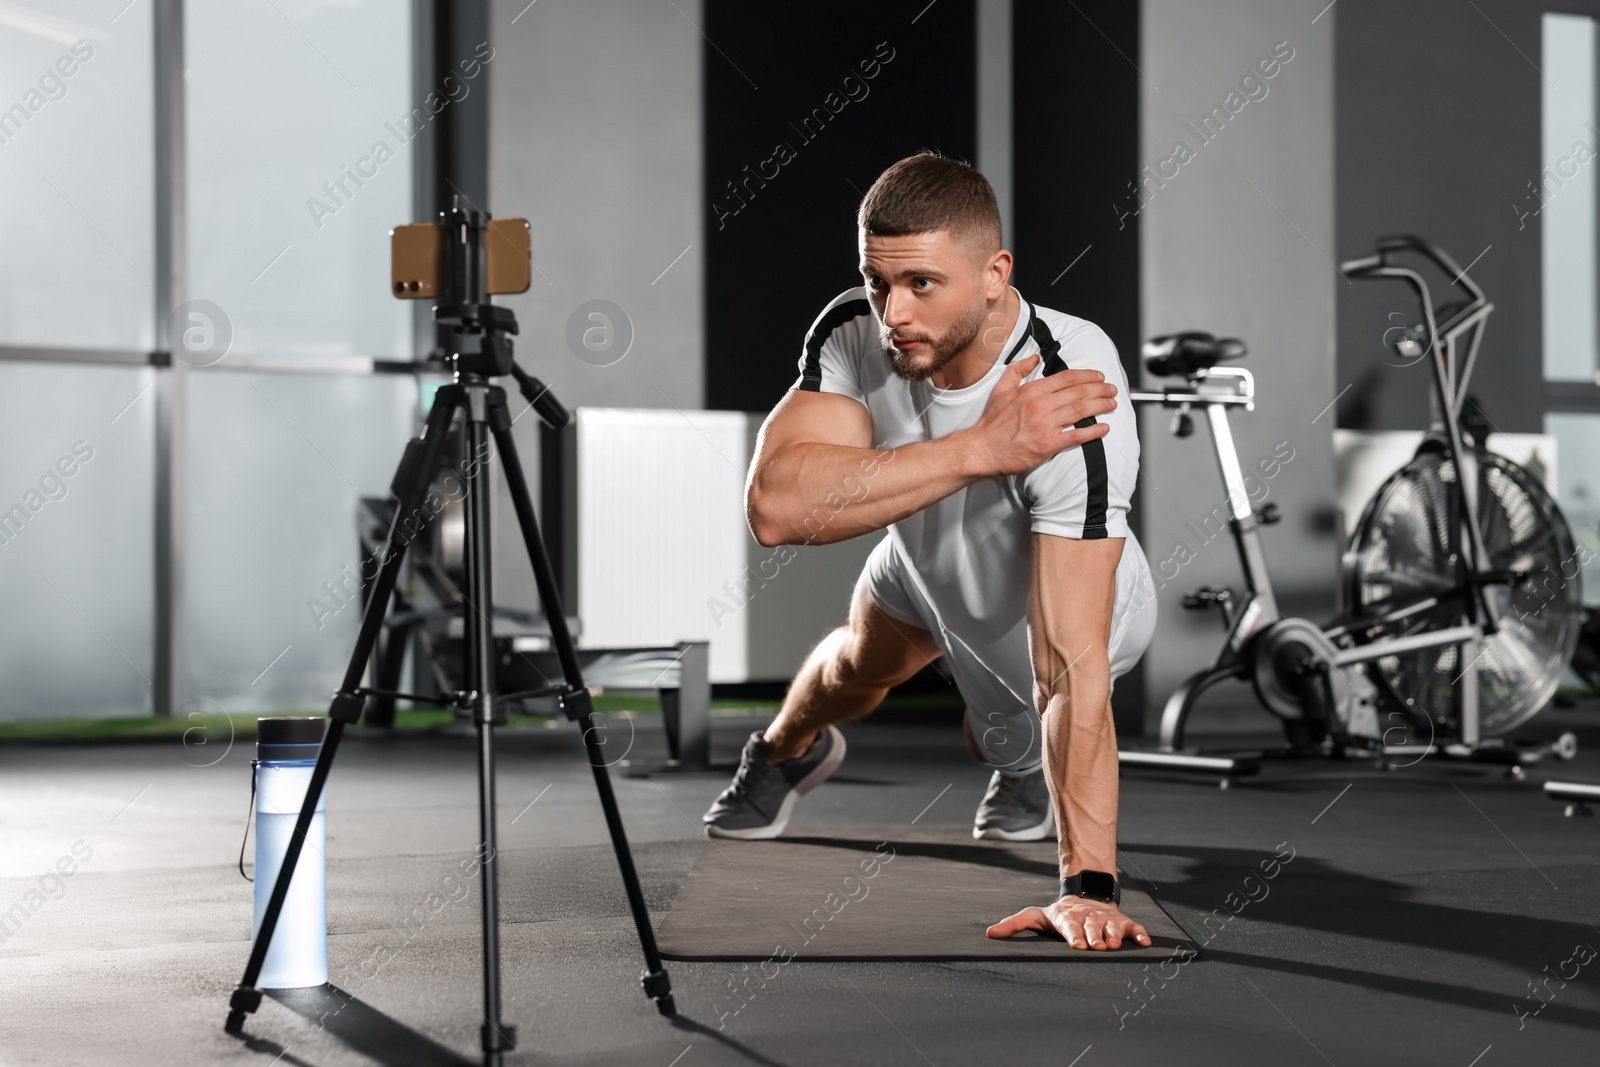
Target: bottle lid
x,y
289,737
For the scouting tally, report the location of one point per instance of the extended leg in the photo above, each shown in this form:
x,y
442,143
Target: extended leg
x,y
848,674
843,678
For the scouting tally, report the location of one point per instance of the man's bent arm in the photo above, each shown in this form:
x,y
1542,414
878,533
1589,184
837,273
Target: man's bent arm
x,y
808,491
816,478
1073,591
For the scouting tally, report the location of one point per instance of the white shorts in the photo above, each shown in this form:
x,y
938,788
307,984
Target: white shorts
x,y
997,683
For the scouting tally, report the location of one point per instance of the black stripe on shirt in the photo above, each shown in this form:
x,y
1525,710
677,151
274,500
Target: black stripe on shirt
x,y
1094,463
1027,332
1049,347
850,310
1094,452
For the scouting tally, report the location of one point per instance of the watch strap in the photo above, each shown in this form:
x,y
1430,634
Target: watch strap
x,y
1096,889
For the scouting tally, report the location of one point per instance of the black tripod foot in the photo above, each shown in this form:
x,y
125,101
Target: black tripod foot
x,y
244,1001
658,987
497,1039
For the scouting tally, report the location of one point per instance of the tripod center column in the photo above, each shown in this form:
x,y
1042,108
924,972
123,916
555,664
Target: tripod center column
x,y
478,611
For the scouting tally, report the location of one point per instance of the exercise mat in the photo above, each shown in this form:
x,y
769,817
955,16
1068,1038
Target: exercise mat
x,y
883,893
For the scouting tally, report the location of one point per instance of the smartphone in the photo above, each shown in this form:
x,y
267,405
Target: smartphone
x,y
416,250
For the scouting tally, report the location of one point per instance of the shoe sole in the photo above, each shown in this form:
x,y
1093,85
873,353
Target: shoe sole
x,y
822,773
1032,833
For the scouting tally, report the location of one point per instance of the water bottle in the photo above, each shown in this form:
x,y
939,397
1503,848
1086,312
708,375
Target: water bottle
x,y
286,750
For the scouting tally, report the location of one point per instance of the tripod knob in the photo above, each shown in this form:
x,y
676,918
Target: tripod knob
x,y
1268,515
551,410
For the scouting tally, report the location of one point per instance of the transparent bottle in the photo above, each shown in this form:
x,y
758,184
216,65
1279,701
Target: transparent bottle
x,y
286,750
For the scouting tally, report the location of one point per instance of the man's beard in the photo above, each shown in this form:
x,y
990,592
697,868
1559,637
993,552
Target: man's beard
x,y
945,348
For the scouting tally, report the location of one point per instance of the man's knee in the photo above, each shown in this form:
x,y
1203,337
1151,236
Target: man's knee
x,y
860,662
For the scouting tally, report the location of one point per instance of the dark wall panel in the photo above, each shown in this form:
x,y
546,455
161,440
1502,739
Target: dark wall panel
x,y
1075,119
795,133
1437,134
1075,145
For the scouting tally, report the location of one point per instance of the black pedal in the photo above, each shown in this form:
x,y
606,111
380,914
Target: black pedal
x,y
1309,677
1207,596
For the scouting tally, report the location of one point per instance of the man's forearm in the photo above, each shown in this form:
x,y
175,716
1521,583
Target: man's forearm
x,y
817,494
1080,751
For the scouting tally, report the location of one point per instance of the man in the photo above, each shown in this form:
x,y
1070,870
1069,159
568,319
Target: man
x,y
983,432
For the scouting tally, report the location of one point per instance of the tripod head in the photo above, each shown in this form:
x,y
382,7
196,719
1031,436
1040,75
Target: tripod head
x,y
460,261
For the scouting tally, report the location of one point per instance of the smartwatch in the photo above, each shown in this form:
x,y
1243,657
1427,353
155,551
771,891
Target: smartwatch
x,y
1096,885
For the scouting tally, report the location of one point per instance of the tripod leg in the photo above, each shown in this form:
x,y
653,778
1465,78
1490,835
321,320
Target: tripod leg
x,y
478,622
657,985
411,482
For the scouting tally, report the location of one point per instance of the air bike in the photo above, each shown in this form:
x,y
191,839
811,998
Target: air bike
x,y
1459,617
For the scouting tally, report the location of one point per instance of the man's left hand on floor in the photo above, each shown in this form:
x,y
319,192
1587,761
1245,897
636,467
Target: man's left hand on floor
x,y
1082,923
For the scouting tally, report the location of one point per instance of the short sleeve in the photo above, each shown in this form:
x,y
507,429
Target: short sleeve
x,y
829,361
1085,491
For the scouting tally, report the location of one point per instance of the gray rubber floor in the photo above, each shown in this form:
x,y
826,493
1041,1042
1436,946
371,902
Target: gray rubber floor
x,y
1406,919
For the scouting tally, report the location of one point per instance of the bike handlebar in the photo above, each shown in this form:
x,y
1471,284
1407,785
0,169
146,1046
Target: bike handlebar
x,y
1369,266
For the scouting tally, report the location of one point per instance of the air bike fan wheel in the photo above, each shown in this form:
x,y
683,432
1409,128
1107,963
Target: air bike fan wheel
x,y
1408,543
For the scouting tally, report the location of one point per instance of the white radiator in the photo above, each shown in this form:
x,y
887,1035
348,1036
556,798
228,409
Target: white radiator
x,y
664,553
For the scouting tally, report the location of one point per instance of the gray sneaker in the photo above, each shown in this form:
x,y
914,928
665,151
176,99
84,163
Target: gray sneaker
x,y
757,805
1016,808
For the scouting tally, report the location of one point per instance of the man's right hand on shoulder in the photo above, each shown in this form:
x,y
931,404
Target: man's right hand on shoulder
x,y
1025,424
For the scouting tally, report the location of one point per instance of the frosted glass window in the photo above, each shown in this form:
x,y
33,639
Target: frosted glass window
x,y
1563,199
77,176
76,540
1578,488
277,464
299,163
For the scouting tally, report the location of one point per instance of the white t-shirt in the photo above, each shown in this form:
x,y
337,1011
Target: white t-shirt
x,y
971,551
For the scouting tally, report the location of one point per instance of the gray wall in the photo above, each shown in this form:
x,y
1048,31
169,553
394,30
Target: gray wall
x,y
1442,141
595,137
1239,243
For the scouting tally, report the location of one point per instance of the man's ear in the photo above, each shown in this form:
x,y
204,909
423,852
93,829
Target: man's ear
x,y
997,273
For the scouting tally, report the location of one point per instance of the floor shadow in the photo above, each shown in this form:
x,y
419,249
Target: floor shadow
x,y
279,1053
1419,988
683,1022
365,1029
1315,895
996,855
861,779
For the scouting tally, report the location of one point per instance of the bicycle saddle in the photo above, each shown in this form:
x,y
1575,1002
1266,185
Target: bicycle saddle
x,y
1185,353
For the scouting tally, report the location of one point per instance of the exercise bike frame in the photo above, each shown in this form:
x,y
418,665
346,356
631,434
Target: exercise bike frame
x,y
1259,609
1371,634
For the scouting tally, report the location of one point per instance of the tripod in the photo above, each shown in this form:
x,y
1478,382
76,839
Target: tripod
x,y
483,405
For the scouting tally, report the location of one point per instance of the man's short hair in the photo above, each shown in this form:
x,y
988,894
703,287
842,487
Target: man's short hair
x,y
925,193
